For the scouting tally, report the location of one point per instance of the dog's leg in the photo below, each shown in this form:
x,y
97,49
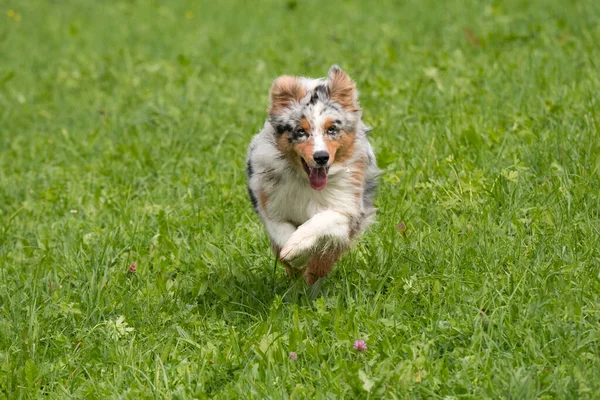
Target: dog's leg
x,y
290,271
279,232
319,266
325,232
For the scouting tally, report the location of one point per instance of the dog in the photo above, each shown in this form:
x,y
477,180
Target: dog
x,y
312,173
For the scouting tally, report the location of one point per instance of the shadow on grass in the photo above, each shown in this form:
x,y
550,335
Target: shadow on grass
x,y
250,293
253,292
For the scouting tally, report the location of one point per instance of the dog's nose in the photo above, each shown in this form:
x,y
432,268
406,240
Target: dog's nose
x,y
321,157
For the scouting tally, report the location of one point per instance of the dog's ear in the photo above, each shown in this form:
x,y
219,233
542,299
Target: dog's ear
x,y
342,89
285,91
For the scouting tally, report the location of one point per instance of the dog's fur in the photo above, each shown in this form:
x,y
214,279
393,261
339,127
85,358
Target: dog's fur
x,y
311,171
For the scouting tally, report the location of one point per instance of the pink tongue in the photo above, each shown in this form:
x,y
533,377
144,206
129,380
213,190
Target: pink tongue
x,y
317,178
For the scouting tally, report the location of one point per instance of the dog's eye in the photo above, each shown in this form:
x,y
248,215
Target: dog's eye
x,y
331,131
300,132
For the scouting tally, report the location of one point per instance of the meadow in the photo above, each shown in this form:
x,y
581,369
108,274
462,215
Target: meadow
x,y
131,262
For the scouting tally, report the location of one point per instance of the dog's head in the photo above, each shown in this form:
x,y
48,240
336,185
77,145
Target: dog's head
x,y
315,121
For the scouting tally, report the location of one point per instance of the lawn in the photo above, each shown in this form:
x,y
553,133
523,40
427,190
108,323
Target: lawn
x,y
131,262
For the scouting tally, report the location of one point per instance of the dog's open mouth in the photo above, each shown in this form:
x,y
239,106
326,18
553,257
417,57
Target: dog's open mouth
x,y
317,177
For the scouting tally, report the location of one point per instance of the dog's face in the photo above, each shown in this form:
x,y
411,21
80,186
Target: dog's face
x,y
315,122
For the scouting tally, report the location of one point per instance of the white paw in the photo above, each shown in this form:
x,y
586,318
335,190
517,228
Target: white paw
x,y
298,248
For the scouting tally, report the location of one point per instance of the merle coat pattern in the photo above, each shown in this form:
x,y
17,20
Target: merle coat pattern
x,y
312,172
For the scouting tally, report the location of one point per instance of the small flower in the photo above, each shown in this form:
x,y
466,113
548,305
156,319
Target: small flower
x,y
360,345
293,356
402,228
132,268
73,211
51,285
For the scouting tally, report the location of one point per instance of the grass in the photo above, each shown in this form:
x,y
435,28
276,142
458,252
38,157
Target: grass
x,y
123,131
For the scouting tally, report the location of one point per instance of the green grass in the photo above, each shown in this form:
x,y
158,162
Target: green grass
x,y
136,115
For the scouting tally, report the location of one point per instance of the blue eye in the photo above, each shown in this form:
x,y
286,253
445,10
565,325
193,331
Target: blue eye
x,y
331,131
300,132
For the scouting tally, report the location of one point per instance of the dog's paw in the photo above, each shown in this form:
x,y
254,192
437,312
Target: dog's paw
x,y
297,249
294,255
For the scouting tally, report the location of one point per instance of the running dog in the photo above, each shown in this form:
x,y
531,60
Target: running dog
x,y
312,173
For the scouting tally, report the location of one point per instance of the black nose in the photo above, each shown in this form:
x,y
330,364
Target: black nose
x,y
321,157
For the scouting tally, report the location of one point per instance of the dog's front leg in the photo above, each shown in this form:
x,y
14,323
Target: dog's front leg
x,y
327,231
279,232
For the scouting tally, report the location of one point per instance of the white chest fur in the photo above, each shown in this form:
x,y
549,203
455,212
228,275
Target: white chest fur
x,y
295,201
